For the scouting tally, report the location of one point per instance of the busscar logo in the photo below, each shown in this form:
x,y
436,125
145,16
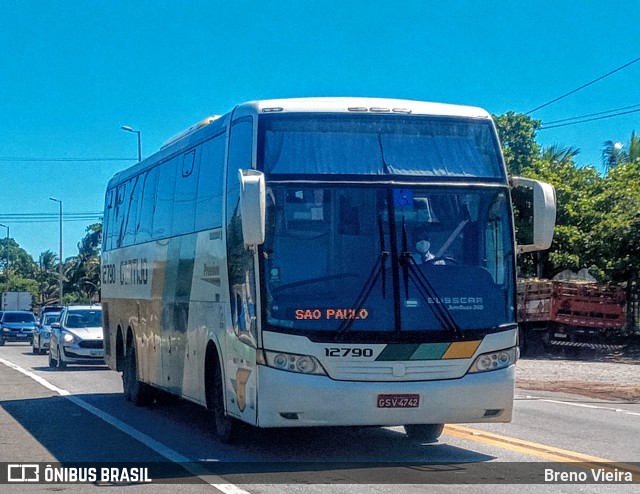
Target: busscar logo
x,y
23,472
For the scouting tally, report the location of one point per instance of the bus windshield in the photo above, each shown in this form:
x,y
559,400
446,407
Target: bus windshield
x,y
386,259
379,145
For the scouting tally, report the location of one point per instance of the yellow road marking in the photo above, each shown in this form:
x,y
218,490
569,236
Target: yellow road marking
x,y
536,449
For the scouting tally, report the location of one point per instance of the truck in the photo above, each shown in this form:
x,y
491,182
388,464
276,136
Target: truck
x,y
16,301
574,315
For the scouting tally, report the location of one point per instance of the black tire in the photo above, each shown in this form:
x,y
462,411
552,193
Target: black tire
x,y
138,393
425,433
35,350
61,364
531,342
227,428
53,363
1,341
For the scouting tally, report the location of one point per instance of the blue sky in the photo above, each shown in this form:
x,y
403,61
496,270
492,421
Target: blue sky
x,y
73,72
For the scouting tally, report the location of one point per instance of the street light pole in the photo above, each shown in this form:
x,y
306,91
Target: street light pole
x,y
60,250
129,129
6,266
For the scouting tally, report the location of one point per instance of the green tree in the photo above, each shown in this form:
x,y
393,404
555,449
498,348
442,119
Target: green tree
x,y
616,239
576,191
616,236
14,260
517,134
18,268
83,270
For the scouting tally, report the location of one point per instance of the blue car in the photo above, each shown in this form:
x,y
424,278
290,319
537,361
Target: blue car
x,y
17,326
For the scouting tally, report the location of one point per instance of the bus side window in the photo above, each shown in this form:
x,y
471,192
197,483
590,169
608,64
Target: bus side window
x,y
210,184
184,207
122,205
132,212
107,229
495,239
163,215
147,205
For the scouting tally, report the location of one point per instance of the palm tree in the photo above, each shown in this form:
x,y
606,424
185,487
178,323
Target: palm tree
x,y
615,152
559,156
634,148
83,271
47,277
612,154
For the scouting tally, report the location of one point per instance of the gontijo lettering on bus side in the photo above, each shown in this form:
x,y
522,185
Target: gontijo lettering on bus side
x,y
127,272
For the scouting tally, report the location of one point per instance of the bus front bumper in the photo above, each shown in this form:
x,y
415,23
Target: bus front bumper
x,y
288,399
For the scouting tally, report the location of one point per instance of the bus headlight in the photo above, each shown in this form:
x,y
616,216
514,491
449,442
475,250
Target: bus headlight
x,y
304,364
494,360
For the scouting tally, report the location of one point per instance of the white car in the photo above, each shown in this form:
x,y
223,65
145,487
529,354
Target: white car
x,y
42,334
77,338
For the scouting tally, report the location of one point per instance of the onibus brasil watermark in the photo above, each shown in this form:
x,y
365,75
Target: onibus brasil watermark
x,y
55,474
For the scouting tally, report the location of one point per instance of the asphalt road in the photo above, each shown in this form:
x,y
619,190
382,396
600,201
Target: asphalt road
x,y
79,417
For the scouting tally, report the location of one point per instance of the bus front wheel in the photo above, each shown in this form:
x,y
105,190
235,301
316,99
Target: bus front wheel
x,y
134,391
425,433
227,428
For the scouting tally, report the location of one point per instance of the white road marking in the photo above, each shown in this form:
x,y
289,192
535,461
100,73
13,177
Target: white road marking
x,y
148,441
35,377
584,405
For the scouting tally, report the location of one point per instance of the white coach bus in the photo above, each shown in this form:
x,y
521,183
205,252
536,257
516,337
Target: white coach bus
x,y
321,262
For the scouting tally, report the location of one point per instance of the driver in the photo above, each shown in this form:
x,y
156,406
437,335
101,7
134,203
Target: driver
x,y
423,254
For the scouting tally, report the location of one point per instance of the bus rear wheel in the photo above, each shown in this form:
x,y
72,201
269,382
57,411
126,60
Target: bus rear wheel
x,y
135,391
425,433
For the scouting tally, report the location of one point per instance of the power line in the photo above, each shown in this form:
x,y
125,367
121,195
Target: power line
x,y
44,216
583,86
52,220
26,218
545,127
62,160
553,122
4,215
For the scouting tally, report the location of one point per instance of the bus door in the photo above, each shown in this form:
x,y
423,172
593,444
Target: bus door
x,y
241,341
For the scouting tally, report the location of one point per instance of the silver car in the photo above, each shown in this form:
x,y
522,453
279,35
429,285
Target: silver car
x,y
77,338
42,334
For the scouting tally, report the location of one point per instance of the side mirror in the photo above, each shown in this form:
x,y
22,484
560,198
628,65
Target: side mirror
x,y
543,213
55,325
252,206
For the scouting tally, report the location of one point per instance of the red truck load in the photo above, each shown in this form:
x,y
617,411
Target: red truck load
x,y
570,314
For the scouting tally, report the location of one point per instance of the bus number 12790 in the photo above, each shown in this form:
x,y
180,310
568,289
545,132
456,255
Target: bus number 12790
x,y
348,352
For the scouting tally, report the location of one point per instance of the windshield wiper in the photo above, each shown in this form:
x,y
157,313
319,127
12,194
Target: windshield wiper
x,y
384,255
412,272
379,268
